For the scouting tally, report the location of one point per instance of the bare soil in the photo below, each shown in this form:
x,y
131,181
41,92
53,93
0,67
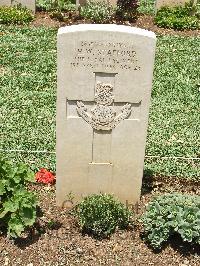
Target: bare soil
x,y
57,240
143,21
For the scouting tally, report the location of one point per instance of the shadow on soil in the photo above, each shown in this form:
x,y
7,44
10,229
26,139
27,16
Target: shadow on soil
x,y
168,183
40,227
184,248
36,232
147,182
176,243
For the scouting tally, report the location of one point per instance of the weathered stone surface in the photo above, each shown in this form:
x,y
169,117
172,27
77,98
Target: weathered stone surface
x,y
104,87
161,3
5,2
30,4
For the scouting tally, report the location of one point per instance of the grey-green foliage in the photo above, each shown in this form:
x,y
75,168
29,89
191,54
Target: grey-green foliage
x,y
97,11
169,214
101,214
17,204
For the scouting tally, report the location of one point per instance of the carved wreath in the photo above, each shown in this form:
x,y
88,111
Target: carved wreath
x,y
103,115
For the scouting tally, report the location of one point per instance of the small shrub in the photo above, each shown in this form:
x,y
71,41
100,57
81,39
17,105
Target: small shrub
x,y
97,11
15,15
179,17
44,5
127,9
60,10
17,204
147,7
172,213
101,214
56,5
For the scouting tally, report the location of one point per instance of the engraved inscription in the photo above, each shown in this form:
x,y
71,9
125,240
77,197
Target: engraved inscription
x,y
103,115
105,55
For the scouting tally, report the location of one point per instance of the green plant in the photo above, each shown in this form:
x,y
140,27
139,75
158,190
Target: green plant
x,y
179,17
56,5
17,204
101,214
169,214
97,11
45,5
146,7
127,9
15,15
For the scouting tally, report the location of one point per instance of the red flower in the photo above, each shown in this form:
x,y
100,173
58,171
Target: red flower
x,y
45,176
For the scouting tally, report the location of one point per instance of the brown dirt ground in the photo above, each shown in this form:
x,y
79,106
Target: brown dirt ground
x,y
57,240
143,21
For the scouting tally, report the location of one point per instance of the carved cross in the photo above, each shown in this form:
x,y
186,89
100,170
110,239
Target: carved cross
x,y
102,116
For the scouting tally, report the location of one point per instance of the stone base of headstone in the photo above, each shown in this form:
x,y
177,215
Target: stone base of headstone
x,y
30,4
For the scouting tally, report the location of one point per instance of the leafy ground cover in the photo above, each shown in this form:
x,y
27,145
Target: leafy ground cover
x,y
28,100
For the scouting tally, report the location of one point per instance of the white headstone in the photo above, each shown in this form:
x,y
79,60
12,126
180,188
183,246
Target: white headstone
x,y
104,87
30,4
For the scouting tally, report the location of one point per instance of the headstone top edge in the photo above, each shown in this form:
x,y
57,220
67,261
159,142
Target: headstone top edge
x,y
106,28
